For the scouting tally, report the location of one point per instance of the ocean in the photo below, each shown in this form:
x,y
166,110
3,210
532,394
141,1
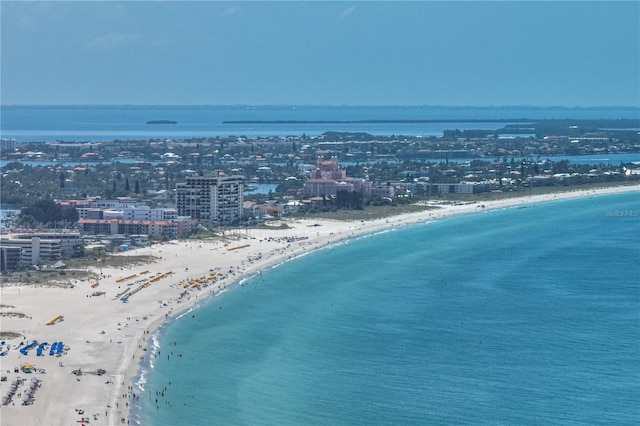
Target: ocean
x,y
94,123
510,316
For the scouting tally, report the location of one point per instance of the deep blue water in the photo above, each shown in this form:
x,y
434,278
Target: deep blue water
x,y
106,123
512,316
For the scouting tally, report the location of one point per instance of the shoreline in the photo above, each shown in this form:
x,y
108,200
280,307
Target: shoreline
x,y
103,332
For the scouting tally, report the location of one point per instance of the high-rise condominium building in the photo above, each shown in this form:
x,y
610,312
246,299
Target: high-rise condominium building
x,y
215,198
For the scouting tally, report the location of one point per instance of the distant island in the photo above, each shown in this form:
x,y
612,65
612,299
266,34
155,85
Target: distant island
x,y
405,121
162,122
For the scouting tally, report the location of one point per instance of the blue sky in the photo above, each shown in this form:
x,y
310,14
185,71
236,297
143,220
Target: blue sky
x,y
321,53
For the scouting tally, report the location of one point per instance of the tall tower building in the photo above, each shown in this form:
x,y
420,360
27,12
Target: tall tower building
x,y
215,198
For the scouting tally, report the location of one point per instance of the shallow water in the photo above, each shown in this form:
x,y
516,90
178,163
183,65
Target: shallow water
x,y
513,316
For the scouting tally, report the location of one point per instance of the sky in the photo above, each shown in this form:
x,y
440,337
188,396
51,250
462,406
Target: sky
x,y
471,53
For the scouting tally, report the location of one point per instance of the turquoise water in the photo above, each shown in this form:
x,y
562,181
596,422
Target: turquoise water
x,y
513,316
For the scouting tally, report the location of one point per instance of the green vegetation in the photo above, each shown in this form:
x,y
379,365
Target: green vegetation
x,y
77,271
370,213
13,314
48,212
120,261
524,162
281,225
45,278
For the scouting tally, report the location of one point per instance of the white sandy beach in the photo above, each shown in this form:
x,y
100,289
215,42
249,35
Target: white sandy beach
x,y
102,332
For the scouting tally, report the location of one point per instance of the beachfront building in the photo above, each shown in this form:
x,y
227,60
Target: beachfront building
x,y
128,208
7,144
216,198
430,189
68,239
383,190
33,249
175,228
181,226
128,213
147,213
328,178
9,258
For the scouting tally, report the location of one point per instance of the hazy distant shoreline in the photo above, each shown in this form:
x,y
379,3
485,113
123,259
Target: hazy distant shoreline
x,y
383,121
98,123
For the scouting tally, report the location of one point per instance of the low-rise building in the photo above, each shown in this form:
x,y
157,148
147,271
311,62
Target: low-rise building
x,y
114,226
33,250
181,226
9,258
67,239
452,188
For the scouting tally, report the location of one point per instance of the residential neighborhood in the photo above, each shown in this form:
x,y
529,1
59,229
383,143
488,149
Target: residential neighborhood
x,y
125,194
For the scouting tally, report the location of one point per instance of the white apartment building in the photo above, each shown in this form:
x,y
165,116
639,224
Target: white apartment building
x,y
67,239
139,212
33,249
214,198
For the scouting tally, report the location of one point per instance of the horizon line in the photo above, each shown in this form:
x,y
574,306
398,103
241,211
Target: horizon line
x,y
330,105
